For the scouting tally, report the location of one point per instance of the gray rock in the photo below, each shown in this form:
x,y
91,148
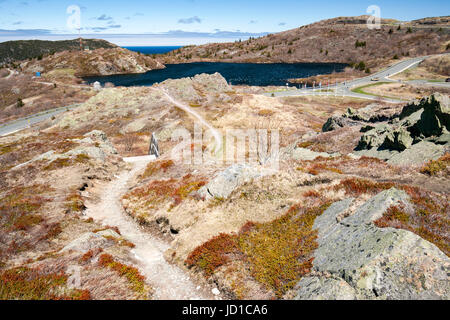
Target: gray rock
x,y
86,242
399,139
418,134
377,263
443,139
92,152
374,153
309,155
328,220
109,233
229,180
337,122
374,208
374,138
418,154
319,288
97,135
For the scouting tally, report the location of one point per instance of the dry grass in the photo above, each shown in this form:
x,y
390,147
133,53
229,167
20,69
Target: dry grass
x,y
136,280
35,284
430,219
157,166
278,253
437,167
158,192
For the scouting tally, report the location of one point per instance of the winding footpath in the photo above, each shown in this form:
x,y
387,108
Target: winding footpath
x,y
168,281
341,89
216,134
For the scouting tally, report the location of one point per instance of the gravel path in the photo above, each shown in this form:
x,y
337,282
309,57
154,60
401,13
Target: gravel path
x,y
168,281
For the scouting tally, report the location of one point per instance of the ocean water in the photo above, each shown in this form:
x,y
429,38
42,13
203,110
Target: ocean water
x,y
152,50
253,74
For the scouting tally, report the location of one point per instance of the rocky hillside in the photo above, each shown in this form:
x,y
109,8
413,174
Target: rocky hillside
x,y
330,223
344,40
100,62
11,51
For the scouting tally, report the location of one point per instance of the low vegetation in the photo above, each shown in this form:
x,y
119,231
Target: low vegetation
x,y
157,166
435,167
278,253
136,280
158,192
35,284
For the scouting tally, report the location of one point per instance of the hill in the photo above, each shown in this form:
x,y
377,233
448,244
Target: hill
x,y
343,40
99,62
11,51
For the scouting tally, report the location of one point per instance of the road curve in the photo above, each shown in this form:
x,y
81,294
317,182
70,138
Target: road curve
x,y
345,88
23,123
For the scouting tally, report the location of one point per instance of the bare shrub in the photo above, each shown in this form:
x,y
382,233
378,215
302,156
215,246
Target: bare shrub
x,y
128,141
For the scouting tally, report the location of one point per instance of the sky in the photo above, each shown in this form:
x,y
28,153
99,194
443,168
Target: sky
x,y
184,22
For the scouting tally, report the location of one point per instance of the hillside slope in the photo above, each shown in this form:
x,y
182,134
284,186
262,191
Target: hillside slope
x,y
26,49
91,63
343,40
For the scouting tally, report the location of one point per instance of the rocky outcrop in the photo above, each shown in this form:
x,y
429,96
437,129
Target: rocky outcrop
x,y
363,117
419,133
357,260
229,180
195,89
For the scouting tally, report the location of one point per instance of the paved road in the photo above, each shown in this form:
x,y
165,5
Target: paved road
x,y
345,88
20,124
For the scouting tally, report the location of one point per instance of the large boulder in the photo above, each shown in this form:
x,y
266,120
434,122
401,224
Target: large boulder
x,y
229,180
371,114
322,288
375,263
86,242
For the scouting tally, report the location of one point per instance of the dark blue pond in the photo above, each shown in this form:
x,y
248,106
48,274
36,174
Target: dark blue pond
x,y
153,50
253,74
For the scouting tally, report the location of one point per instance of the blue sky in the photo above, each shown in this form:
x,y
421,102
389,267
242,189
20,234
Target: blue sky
x,y
180,22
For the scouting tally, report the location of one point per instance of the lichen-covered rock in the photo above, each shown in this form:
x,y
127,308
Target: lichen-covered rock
x,y
337,122
192,90
320,288
374,208
328,220
419,133
376,263
86,242
418,154
229,180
